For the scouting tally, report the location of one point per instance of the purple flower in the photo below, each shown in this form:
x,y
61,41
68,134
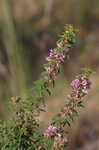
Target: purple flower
x,y
75,84
51,55
61,56
54,55
50,131
55,58
51,71
80,87
48,69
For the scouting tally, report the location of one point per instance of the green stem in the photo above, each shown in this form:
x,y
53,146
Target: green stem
x,y
13,49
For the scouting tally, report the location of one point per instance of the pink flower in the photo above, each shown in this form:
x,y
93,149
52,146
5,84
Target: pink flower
x,y
57,58
80,87
75,84
51,55
54,55
51,71
48,69
50,131
61,56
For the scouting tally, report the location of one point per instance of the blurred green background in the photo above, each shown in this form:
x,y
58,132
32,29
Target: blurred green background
x,y
28,29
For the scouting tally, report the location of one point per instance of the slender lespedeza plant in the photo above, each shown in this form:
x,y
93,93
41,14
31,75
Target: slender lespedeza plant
x,y
56,131
23,130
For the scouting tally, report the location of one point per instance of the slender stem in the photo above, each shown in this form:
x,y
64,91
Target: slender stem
x,y
13,49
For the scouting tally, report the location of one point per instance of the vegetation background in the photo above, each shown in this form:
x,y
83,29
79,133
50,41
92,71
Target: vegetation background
x,y
28,29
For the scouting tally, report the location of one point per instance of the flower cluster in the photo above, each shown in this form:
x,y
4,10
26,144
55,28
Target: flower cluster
x,y
55,59
80,87
56,134
56,56
50,131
